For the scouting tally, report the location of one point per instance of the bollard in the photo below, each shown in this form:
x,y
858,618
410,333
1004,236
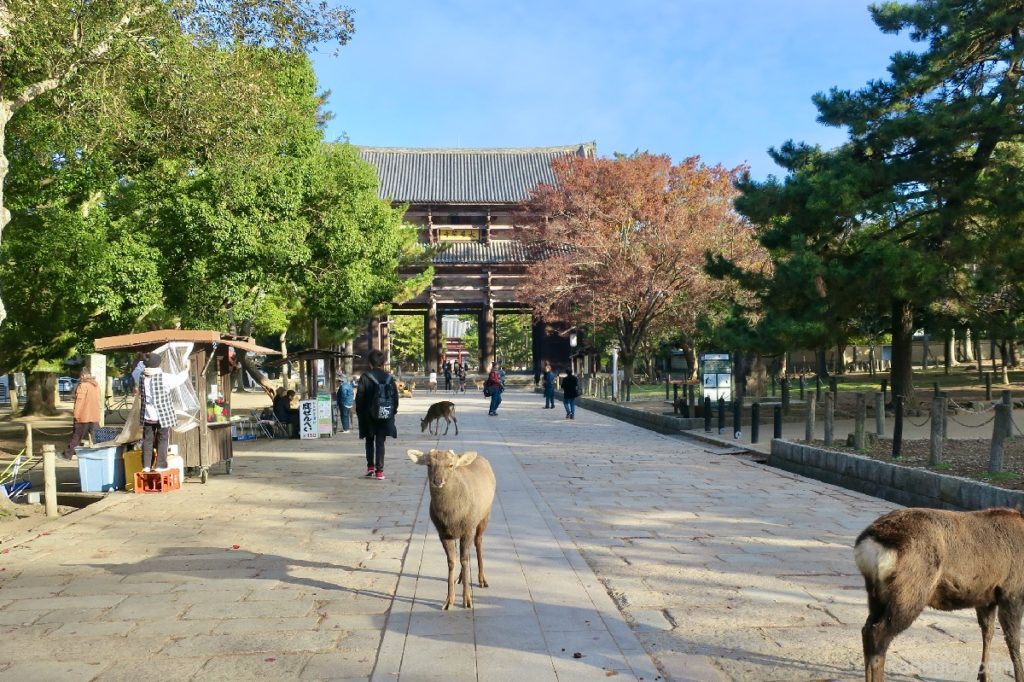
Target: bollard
x,y
685,406
803,395
675,398
773,385
859,418
737,419
830,418
777,421
879,414
785,395
707,414
945,415
755,421
995,457
833,385
817,388
988,386
885,389
897,429
690,400
50,479
666,388
809,425
28,440
935,449
935,389
1008,401
721,415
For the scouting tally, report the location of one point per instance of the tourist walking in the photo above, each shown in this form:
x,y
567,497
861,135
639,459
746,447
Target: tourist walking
x,y
493,387
86,413
376,406
548,379
448,377
570,391
346,398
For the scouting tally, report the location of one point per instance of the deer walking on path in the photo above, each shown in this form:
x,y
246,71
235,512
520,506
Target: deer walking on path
x,y
438,411
913,558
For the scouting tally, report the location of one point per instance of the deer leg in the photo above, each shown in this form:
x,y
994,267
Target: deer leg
x,y
449,550
456,424
1009,618
987,621
446,425
479,542
885,621
467,590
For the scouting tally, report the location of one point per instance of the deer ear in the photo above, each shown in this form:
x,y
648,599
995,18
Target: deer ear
x,y
416,456
465,459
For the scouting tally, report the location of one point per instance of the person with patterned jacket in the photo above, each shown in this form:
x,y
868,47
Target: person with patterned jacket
x,y
157,413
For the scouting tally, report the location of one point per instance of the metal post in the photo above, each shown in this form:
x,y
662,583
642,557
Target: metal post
x,y
721,415
803,395
880,414
615,374
988,386
885,389
897,429
28,440
707,414
667,382
755,421
785,395
935,389
50,479
675,398
773,385
777,421
817,388
737,419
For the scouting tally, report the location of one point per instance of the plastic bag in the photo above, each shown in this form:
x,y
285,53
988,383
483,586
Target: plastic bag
x,y
174,360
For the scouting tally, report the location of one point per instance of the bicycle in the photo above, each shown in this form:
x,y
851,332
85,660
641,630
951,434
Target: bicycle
x,y
120,405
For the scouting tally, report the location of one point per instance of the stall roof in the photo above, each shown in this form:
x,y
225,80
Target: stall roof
x,y
162,336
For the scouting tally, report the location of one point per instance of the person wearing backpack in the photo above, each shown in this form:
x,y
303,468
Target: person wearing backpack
x,y
493,387
376,406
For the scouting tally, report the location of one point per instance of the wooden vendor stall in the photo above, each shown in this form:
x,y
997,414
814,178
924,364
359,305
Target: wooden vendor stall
x,y
210,367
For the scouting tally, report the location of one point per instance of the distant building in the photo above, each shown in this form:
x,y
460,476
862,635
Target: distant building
x,y
466,199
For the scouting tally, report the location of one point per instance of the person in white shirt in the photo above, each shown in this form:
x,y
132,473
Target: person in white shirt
x,y
157,413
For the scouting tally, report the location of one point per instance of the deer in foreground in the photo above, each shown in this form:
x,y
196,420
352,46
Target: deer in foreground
x,y
438,411
913,558
461,495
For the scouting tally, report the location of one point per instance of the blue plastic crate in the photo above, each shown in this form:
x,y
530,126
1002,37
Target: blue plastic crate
x,y
100,469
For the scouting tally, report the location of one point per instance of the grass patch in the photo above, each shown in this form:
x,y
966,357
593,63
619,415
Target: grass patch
x,y
999,476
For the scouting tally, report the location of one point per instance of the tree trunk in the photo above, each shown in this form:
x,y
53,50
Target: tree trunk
x,y
6,111
627,360
968,346
285,379
821,362
690,353
757,376
41,394
902,374
259,376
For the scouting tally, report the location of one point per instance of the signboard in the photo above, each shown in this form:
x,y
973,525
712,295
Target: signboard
x,y
323,411
716,376
309,425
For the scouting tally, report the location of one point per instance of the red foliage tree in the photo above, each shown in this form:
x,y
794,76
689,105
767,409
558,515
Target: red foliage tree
x,y
625,240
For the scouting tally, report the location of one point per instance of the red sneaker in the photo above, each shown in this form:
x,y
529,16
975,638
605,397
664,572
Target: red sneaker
x,y
379,475
370,471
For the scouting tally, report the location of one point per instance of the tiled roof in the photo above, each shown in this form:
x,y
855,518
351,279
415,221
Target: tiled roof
x,y
480,253
465,176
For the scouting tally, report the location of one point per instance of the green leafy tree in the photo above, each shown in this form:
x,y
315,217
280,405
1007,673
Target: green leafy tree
x,y
924,191
514,340
407,341
61,50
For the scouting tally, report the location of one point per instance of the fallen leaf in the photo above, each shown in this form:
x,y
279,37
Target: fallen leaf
x,y
577,654
269,660
235,546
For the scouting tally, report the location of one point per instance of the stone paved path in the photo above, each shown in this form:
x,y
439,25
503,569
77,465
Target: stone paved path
x,y
724,569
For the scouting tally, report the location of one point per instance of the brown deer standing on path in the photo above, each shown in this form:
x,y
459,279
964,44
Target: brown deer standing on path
x,y
442,410
461,494
913,558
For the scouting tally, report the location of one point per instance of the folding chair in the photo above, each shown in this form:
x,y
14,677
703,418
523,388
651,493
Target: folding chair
x,y
272,427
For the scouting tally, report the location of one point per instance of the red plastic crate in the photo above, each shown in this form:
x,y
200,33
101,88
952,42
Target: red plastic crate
x,y
157,481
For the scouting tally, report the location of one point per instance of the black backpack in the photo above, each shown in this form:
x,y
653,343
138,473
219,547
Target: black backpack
x,y
382,405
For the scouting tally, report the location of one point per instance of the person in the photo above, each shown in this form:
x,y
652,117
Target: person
x,y
293,413
375,430
570,391
346,398
549,386
496,386
448,377
460,371
432,381
157,413
140,365
86,413
281,405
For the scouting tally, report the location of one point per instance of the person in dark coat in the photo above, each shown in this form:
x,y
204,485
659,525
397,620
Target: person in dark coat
x,y
549,379
372,429
570,391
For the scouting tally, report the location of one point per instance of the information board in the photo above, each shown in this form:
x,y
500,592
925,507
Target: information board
x,y
309,424
716,376
323,403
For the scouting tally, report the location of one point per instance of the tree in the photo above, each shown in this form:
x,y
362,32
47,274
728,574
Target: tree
x,y
47,48
923,192
624,242
406,335
514,339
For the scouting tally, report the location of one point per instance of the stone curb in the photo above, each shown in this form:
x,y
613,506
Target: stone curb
x,y
907,486
662,423
111,500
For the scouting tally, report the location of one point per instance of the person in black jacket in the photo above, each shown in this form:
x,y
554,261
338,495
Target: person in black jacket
x,y
570,391
371,428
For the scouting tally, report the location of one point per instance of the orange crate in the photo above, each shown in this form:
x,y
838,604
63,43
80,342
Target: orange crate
x,y
157,481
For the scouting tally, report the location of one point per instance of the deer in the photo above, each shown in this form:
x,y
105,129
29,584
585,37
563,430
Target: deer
x,y
913,558
435,413
461,494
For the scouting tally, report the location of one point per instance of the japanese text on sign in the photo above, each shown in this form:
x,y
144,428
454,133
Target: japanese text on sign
x,y
309,425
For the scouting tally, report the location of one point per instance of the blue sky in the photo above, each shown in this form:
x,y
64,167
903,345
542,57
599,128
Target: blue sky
x,y
723,79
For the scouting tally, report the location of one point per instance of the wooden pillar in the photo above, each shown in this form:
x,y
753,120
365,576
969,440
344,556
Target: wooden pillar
x,y
430,338
486,332
373,334
385,341
537,343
